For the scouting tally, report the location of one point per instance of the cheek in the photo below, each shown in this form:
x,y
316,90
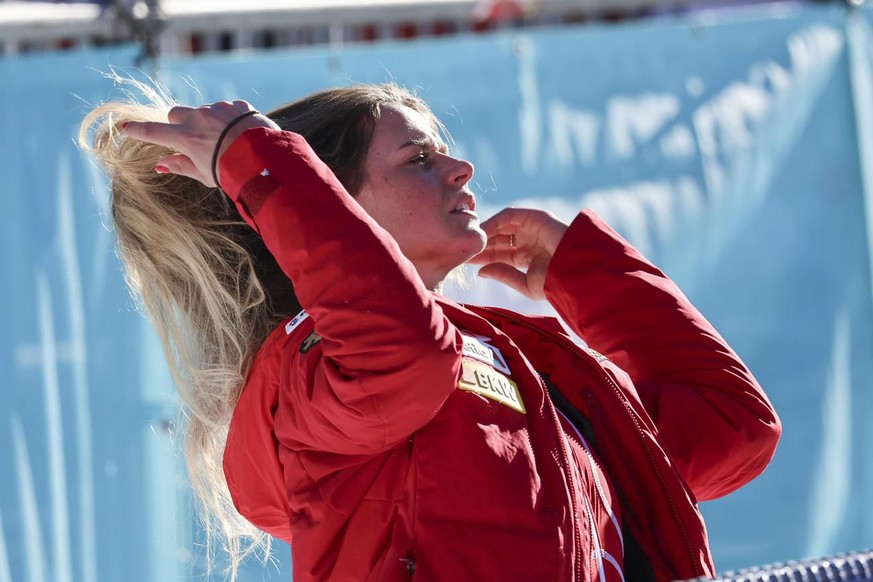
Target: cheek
x,y
401,202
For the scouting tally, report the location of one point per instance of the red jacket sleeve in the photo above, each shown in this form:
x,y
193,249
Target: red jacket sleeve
x,y
711,414
251,465
381,330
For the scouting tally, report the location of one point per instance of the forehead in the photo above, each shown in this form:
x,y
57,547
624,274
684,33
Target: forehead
x,y
399,124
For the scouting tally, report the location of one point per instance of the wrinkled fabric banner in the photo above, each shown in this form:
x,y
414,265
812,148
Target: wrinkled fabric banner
x,y
736,151
90,488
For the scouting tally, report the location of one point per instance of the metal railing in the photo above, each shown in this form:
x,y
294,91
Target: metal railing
x,y
172,27
849,567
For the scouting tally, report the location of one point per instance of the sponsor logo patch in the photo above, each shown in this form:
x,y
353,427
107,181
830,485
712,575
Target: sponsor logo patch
x,y
298,319
486,381
478,348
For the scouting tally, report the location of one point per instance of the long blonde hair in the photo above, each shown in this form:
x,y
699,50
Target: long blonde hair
x,y
205,279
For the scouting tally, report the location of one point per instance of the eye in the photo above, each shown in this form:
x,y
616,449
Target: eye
x,y
422,159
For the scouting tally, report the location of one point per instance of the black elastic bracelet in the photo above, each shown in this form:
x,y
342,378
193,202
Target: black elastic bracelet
x,y
221,136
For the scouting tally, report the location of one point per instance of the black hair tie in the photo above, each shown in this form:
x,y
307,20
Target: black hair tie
x,y
221,137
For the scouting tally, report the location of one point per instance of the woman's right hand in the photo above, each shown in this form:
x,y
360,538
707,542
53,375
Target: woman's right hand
x,y
193,132
521,242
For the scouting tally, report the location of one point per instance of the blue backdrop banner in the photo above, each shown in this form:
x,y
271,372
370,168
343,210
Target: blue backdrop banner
x,y
735,151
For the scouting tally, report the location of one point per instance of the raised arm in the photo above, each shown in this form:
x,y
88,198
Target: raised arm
x,y
380,327
382,332
717,423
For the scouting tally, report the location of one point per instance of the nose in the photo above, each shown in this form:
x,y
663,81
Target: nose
x,y
461,172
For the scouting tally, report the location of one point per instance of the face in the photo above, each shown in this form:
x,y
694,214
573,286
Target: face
x,y
419,194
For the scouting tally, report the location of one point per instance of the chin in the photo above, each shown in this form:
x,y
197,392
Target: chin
x,y
476,239
480,235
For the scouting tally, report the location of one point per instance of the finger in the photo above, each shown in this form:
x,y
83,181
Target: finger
x,y
243,104
503,241
506,221
164,134
538,228
500,254
182,165
486,257
180,114
507,275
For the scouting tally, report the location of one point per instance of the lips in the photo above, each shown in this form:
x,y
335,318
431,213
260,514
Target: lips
x,y
465,203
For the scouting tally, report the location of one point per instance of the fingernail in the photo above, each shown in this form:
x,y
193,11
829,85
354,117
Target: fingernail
x,y
162,169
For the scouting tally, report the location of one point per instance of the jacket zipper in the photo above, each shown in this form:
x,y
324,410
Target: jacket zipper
x,y
568,471
573,348
565,462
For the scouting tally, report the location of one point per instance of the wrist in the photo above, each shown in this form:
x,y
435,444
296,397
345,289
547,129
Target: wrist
x,y
553,234
236,127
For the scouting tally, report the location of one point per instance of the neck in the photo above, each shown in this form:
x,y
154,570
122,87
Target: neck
x,y
432,279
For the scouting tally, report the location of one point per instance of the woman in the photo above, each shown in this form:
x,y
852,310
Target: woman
x,y
385,431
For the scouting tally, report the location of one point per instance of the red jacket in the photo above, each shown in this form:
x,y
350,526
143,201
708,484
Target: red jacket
x,y
376,439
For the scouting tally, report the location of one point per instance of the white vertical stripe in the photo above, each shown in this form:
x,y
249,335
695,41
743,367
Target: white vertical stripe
x,y
609,558
597,483
35,560
5,571
598,548
76,312
832,481
599,552
55,435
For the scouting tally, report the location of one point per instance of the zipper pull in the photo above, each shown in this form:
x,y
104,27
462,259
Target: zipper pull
x,y
410,566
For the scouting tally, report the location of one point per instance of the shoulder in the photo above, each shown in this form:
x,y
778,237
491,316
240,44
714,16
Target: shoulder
x,y
291,332
290,336
259,398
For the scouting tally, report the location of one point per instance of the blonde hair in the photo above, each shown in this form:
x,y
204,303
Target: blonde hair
x,y
205,279
189,259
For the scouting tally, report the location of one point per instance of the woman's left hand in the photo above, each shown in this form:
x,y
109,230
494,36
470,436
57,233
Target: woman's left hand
x,y
521,242
193,132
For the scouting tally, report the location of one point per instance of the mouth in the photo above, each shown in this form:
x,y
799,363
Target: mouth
x,y
465,205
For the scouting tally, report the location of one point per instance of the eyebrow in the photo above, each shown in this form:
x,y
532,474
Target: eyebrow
x,y
424,142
